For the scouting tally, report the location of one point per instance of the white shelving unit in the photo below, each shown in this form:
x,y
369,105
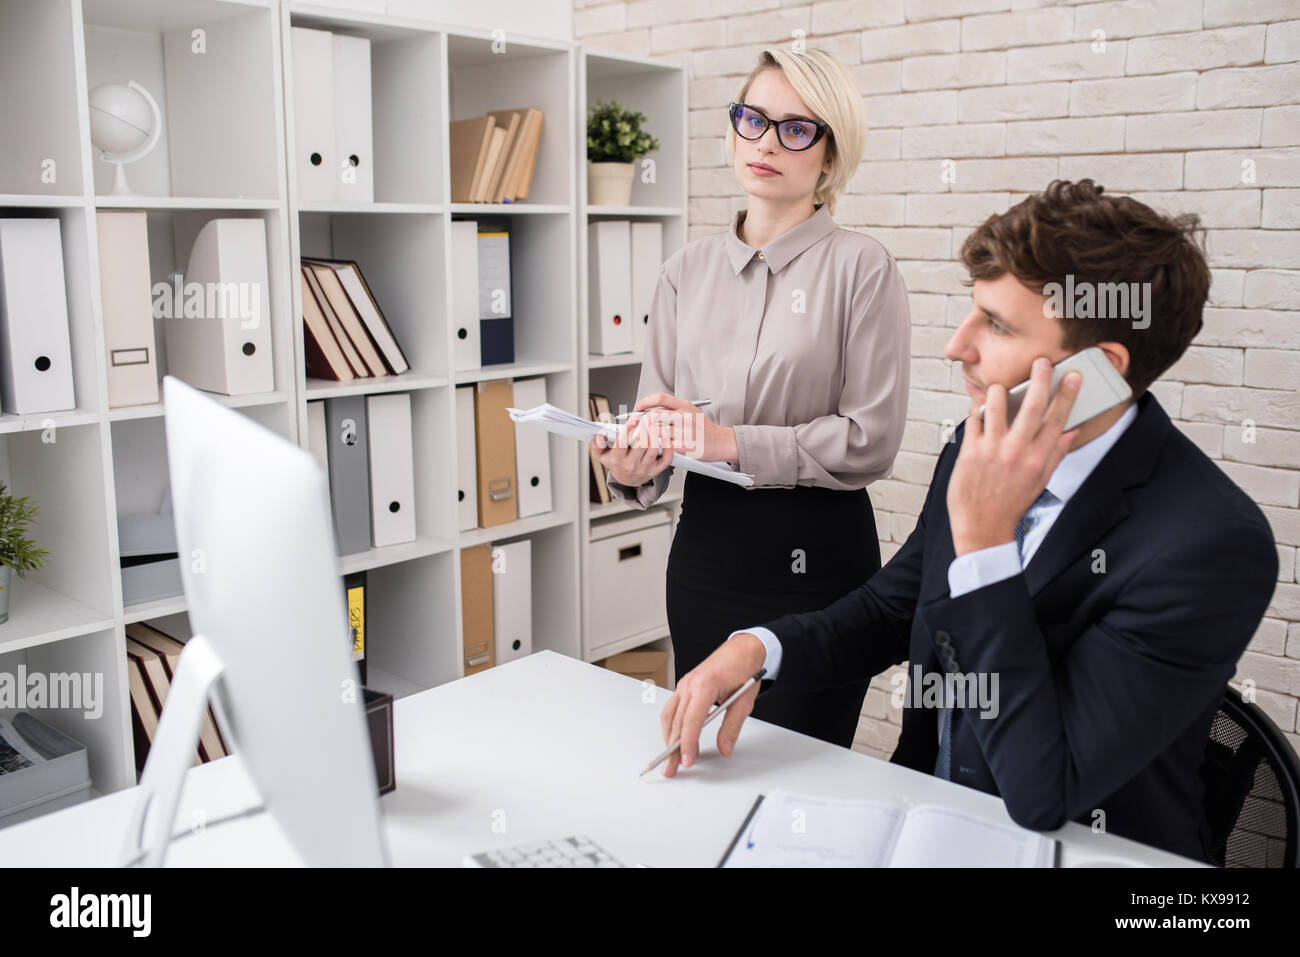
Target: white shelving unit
x,y
234,158
658,89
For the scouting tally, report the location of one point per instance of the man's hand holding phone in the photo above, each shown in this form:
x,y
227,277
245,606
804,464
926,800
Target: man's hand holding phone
x,y
1002,468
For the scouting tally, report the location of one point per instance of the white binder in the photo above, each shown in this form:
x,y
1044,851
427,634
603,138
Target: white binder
x,y
226,348
647,257
609,286
392,469
353,137
466,458
35,353
464,294
512,601
317,443
315,143
128,310
532,453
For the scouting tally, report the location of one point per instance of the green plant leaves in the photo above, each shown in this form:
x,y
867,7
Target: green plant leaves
x,y
17,551
614,135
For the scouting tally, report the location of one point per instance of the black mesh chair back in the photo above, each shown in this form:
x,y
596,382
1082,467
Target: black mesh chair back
x,y
1252,788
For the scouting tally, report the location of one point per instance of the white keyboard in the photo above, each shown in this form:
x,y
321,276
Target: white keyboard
x,y
574,851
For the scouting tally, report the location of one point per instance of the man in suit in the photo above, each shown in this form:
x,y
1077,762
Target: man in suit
x,y
1103,582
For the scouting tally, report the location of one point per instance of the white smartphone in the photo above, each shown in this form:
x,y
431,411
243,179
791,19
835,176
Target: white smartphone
x,y
1103,388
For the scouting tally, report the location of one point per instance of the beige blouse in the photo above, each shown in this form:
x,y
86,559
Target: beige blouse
x,y
802,346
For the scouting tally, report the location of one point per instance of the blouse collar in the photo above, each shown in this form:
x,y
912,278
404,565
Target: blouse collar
x,y
778,253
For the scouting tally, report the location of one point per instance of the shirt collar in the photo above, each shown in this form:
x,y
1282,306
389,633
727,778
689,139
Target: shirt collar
x,y
778,253
1075,468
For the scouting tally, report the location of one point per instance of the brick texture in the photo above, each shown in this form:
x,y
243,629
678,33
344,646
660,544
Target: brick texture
x,y
1188,105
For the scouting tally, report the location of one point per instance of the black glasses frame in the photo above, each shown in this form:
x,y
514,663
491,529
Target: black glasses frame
x,y
822,128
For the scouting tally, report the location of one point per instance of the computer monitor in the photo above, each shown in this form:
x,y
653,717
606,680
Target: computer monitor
x,y
271,646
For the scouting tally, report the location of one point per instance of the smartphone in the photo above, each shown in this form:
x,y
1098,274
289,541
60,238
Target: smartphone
x,y
1103,388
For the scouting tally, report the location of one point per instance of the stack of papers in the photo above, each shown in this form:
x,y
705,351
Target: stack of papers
x,y
548,417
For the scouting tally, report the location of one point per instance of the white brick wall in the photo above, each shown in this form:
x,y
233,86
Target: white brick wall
x,y
1188,105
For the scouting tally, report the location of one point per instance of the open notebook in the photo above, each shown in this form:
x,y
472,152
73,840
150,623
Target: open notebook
x,y
795,830
548,417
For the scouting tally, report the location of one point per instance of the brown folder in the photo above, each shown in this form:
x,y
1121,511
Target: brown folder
x,y
321,351
211,745
533,139
338,299
366,306
494,437
476,607
144,713
512,120
469,146
350,353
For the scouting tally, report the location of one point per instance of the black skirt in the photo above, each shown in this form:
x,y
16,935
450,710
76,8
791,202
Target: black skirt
x,y
741,558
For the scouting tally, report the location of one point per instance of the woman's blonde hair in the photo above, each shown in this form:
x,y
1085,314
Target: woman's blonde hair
x,y
828,89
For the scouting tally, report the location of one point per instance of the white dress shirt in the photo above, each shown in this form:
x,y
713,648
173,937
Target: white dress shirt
x,y
997,562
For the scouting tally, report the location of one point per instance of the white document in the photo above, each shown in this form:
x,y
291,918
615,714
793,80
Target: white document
x,y
609,287
512,601
353,134
317,443
555,420
532,453
797,830
392,469
128,309
315,140
647,257
35,351
466,458
464,294
226,347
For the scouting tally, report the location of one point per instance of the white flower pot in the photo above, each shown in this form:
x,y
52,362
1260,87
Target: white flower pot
x,y
609,184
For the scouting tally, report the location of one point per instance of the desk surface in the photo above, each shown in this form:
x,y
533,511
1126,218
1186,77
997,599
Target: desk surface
x,y
542,747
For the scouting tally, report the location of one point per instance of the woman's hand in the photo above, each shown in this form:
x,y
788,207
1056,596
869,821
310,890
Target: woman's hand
x,y
683,428
634,458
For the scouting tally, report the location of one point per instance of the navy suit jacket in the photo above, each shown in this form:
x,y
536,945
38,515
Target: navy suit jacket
x,y
1107,679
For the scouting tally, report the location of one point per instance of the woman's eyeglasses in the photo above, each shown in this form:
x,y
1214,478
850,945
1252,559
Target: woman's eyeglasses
x,y
794,135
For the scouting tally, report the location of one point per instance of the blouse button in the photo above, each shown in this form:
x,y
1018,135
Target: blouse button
x,y
760,254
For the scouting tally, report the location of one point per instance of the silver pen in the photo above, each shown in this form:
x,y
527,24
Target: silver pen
x,y
712,714
698,403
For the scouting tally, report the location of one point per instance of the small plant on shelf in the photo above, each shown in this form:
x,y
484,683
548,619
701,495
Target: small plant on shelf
x,y
615,141
18,553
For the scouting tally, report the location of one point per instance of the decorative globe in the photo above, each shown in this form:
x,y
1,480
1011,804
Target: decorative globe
x,y
121,120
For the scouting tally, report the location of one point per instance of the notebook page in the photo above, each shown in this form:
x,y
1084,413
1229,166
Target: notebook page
x,y
934,836
794,830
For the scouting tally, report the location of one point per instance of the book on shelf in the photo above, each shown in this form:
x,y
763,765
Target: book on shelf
x,y
599,474
354,586
493,156
345,333
167,650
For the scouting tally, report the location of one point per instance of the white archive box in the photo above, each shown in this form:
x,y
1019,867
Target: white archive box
x,y
626,575
226,349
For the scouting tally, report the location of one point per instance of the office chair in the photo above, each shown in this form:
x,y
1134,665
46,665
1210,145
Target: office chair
x,y
1252,788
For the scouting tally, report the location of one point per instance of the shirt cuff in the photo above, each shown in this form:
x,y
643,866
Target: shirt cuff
x,y
642,496
769,453
772,662
983,567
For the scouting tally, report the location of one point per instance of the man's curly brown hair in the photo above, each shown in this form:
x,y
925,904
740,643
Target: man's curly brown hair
x,y
1074,229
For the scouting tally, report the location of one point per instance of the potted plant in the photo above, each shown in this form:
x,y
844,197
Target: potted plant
x,y
615,141
18,553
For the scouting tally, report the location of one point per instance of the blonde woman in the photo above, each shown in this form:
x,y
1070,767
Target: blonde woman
x,y
797,331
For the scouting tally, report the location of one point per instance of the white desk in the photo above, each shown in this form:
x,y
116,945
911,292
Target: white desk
x,y
546,746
